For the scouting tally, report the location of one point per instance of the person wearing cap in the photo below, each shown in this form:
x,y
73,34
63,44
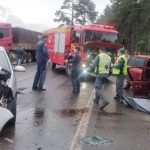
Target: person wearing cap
x,y
75,70
120,70
41,58
102,65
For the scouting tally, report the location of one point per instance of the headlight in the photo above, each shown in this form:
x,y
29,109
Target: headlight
x,y
83,65
84,71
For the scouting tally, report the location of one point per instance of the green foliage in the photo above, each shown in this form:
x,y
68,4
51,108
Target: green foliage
x,y
132,20
141,46
107,17
76,12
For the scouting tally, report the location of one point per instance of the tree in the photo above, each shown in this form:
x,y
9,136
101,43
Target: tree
x,y
132,20
85,12
76,12
107,17
66,13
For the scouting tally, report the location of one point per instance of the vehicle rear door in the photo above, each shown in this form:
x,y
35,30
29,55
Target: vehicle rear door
x,y
59,47
135,69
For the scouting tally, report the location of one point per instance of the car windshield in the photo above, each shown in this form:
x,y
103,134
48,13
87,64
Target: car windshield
x,y
137,62
3,61
4,32
91,35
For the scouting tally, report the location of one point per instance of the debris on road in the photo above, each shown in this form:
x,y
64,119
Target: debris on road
x,y
8,140
138,104
95,140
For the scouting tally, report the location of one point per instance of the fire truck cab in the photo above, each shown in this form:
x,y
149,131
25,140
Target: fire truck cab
x,y
61,42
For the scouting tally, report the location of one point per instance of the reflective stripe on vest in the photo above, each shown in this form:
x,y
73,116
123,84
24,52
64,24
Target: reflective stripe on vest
x,y
117,71
104,64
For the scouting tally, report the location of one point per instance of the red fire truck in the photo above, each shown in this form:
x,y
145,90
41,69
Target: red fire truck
x,y
89,38
12,37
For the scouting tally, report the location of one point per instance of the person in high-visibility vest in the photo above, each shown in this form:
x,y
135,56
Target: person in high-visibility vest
x,y
102,68
120,70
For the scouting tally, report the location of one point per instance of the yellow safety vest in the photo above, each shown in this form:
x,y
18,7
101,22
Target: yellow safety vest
x,y
104,64
116,71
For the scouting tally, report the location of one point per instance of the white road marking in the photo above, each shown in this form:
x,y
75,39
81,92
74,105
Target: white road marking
x,y
83,125
26,77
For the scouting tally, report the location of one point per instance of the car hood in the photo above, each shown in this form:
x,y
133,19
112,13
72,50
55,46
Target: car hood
x,y
5,116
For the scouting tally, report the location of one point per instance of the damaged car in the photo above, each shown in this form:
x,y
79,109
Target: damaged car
x,y
8,88
138,75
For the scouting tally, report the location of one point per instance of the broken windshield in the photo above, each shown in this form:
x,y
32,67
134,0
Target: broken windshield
x,y
100,36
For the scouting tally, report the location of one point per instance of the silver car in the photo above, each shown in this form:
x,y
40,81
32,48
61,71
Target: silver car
x,y
8,88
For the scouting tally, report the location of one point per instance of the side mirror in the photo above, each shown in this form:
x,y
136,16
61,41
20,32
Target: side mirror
x,y
19,68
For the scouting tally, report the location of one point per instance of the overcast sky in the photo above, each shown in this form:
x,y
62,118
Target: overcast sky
x,y
35,14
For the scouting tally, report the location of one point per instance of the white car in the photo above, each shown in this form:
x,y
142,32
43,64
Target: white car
x,y
8,88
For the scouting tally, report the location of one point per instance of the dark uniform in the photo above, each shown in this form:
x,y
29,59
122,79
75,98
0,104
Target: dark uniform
x,y
75,72
42,58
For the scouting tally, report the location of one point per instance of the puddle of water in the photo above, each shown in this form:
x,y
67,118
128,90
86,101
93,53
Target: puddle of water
x,y
71,112
39,112
39,117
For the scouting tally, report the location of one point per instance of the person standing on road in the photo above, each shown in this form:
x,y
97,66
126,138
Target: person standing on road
x,y
42,58
102,68
120,70
75,70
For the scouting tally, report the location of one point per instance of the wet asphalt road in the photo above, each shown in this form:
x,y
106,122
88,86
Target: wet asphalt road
x,y
49,120
45,120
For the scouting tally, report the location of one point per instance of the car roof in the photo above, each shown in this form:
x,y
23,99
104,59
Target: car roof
x,y
144,56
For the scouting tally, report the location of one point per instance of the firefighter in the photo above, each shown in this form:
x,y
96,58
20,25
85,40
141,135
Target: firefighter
x,y
42,58
102,68
75,70
120,70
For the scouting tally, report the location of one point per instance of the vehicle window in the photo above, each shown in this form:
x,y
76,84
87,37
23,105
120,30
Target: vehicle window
x,y
76,36
3,61
147,70
100,36
137,62
148,64
4,32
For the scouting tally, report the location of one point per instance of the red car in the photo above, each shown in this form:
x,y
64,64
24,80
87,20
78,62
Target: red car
x,y
138,75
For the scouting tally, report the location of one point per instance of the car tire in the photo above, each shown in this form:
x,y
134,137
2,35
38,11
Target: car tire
x,y
126,84
53,66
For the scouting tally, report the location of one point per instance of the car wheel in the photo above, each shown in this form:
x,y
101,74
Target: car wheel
x,y
53,66
126,84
